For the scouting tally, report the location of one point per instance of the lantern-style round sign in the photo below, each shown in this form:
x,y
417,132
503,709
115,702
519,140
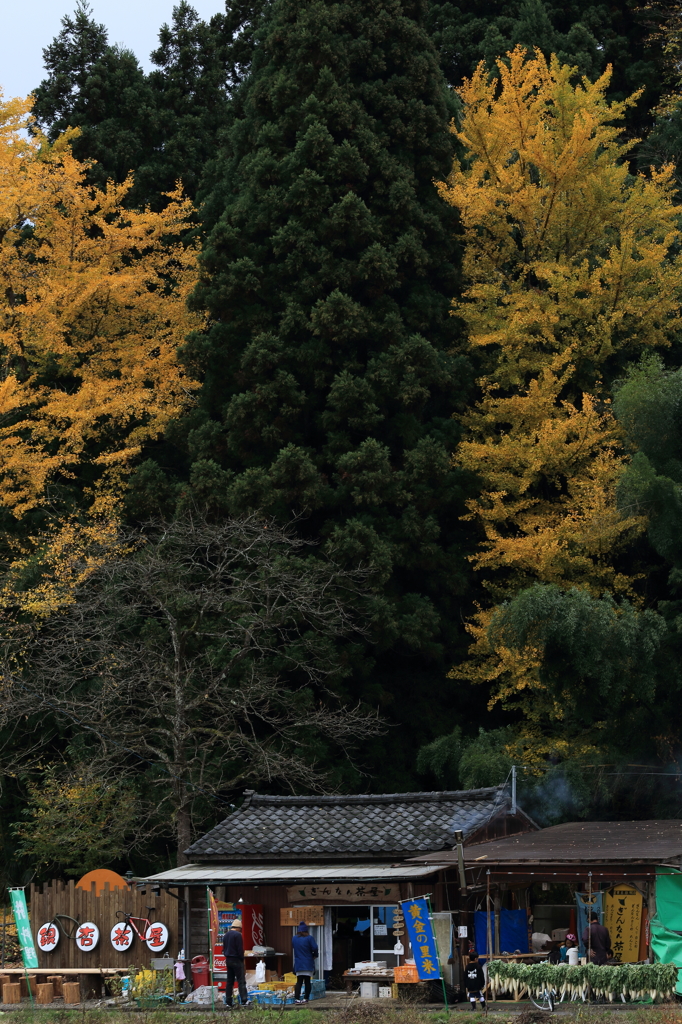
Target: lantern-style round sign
x,y
87,936
157,937
48,937
121,936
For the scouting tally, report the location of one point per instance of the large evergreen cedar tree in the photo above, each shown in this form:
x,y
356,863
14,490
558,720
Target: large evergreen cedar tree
x,y
571,269
327,273
93,308
164,126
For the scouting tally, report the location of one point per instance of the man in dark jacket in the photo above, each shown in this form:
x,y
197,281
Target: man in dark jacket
x,y
233,948
597,938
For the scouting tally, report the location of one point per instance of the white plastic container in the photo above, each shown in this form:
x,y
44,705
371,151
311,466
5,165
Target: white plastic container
x,y
385,992
369,990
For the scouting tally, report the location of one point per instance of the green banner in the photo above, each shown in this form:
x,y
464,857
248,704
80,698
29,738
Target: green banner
x,y
20,911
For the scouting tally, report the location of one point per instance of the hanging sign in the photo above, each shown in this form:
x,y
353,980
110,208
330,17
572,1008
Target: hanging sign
x,y
48,937
157,937
87,936
20,911
121,936
420,933
351,893
623,918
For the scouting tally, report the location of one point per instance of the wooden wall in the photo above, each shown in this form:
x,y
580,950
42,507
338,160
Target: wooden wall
x,y
84,905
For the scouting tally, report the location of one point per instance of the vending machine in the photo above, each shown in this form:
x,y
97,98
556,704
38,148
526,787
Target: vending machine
x,y
252,922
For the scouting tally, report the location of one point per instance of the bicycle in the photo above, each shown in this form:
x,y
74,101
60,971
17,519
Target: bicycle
x,y
154,934
48,934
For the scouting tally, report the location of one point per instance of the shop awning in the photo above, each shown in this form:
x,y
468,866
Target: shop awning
x,y
288,874
575,843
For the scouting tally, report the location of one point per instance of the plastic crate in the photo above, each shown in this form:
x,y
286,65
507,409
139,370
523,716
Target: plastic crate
x,y
406,975
318,988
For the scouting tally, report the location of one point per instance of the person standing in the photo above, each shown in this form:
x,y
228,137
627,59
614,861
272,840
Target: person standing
x,y
305,954
233,948
475,981
596,937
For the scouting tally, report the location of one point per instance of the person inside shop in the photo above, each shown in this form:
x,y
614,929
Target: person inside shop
x,y
305,954
596,937
475,981
233,948
569,943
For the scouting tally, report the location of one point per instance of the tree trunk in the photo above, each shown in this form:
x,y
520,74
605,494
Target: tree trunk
x,y
184,832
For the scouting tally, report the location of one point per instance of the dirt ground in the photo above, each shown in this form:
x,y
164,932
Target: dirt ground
x,y
353,1011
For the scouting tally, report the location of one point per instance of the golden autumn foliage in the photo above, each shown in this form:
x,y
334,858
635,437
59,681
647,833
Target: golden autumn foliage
x,y
92,311
570,272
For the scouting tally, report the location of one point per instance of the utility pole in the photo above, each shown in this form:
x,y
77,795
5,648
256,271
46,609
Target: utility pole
x,y
513,788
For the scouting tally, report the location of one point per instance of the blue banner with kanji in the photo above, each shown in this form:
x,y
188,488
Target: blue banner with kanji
x,y
420,934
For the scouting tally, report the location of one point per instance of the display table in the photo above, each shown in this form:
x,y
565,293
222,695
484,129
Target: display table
x,y
382,979
250,961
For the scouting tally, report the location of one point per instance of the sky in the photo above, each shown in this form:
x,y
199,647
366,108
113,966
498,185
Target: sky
x,y
26,26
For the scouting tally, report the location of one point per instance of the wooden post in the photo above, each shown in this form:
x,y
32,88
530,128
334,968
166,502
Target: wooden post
x,y
72,992
497,902
45,993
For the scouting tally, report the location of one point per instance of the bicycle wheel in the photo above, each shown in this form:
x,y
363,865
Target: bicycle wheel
x,y
544,1000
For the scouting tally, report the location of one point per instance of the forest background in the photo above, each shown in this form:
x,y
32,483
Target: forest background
x,y
341,436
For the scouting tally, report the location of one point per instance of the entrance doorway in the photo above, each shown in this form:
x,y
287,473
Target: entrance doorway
x,y
361,933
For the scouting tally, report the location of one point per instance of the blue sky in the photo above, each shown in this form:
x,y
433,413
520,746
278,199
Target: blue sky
x,y
26,26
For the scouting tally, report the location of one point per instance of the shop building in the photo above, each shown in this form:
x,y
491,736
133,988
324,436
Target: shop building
x,y
545,882
339,861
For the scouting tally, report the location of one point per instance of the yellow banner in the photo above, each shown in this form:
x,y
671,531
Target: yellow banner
x,y
623,918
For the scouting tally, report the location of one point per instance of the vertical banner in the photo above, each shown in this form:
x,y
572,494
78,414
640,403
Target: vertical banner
x,y
212,918
420,934
20,911
623,918
585,906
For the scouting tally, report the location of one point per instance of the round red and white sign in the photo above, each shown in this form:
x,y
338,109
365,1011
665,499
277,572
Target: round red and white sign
x,y
156,937
87,936
48,937
121,936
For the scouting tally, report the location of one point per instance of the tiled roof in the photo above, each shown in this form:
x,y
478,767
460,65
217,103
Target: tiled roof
x,y
319,827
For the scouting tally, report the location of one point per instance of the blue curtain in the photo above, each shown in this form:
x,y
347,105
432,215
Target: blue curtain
x,y
513,931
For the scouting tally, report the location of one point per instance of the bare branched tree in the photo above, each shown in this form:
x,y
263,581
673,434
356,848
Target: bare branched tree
x,y
206,652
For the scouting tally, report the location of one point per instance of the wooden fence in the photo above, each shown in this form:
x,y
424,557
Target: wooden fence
x,y
84,905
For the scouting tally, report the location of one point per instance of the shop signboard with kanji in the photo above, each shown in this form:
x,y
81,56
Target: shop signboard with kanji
x,y
420,933
87,936
623,918
347,892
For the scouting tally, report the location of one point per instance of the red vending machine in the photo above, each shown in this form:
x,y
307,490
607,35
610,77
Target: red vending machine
x,y
252,922
252,929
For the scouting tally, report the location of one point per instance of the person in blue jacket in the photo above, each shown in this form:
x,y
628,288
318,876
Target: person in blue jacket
x,y
305,953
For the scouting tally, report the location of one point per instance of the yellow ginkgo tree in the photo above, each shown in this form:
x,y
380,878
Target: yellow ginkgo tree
x,y
572,270
92,311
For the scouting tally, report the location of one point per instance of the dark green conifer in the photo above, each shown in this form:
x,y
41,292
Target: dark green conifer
x,y
101,90
328,273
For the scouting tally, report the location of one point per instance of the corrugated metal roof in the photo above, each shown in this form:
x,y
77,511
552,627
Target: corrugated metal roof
x,y
578,842
381,826
191,874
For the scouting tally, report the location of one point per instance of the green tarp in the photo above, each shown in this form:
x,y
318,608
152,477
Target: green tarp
x,y
666,944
